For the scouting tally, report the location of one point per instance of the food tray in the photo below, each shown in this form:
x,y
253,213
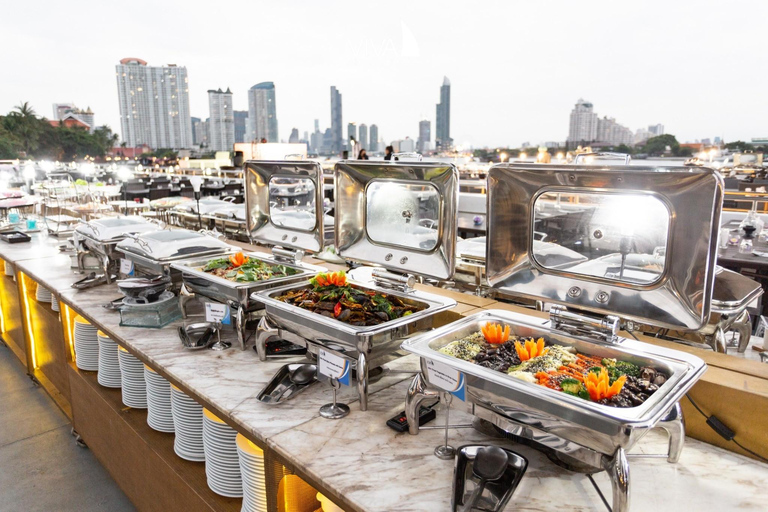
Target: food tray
x,y
14,237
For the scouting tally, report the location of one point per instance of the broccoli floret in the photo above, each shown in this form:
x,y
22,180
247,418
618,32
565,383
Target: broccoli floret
x,y
595,369
571,386
625,368
584,394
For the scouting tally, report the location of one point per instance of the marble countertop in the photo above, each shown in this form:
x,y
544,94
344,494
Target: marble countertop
x,y
41,246
366,465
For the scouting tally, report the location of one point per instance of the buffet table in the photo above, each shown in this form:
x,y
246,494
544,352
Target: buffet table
x,y
358,461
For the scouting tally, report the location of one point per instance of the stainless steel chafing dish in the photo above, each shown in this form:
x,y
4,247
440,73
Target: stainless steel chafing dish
x,y
192,215
99,238
153,253
231,220
649,237
278,215
401,216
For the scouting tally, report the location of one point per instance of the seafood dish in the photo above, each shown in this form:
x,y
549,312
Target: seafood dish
x,y
605,381
332,296
243,269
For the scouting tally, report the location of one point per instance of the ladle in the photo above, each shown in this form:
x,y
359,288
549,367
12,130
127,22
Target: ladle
x,y
490,464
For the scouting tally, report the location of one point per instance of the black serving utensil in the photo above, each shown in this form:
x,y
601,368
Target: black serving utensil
x,y
301,376
489,465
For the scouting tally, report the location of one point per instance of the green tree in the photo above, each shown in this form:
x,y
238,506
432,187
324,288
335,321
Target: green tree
x,y
739,145
656,146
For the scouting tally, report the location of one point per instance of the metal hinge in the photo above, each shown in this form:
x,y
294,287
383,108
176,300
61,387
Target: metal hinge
x,y
385,279
287,255
603,328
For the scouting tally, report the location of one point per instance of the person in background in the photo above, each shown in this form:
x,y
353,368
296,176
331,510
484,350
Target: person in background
x,y
345,155
362,155
388,151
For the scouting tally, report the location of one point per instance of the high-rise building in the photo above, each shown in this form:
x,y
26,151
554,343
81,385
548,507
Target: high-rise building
x,y
221,125
196,130
241,125
611,132
62,109
294,138
352,131
373,137
262,112
443,119
583,125
656,130
337,137
425,135
363,134
154,104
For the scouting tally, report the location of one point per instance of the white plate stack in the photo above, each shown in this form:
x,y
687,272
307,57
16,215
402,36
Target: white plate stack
x,y
109,366
86,345
188,423
252,471
55,304
159,416
133,383
43,294
222,464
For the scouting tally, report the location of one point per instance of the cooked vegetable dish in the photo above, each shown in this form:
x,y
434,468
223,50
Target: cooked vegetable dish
x,y
242,269
330,295
602,380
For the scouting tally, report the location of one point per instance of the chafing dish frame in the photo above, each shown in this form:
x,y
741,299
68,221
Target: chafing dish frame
x,y
594,434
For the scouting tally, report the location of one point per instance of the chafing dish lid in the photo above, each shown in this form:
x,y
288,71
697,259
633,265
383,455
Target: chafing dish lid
x,y
114,228
230,212
207,206
173,244
733,291
648,236
284,203
398,215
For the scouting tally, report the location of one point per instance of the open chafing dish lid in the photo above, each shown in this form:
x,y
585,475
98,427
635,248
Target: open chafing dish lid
x,y
648,236
284,203
733,291
174,244
115,228
398,215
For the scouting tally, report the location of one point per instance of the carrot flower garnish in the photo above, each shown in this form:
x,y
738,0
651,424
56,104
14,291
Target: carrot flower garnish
x,y
238,259
495,334
599,387
530,349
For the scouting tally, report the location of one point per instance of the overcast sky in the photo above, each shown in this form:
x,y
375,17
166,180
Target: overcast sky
x,y
516,67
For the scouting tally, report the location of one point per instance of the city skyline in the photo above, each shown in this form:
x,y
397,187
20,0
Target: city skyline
x,y
509,86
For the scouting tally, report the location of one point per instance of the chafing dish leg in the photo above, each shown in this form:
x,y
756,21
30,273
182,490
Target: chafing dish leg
x,y
240,323
674,424
417,393
743,326
264,332
717,341
184,297
617,468
362,381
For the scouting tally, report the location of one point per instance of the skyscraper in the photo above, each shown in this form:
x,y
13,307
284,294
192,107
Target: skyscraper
x,y
425,135
656,129
294,138
583,125
262,112
443,119
222,120
241,125
373,136
337,137
363,133
352,131
154,104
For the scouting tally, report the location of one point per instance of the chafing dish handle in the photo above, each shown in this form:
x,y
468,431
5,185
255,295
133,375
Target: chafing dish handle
x,y
417,393
264,332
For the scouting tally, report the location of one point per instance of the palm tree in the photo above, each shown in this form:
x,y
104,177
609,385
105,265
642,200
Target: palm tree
x,y
26,126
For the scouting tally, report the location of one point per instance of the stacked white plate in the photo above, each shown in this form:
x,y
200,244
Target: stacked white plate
x,y
159,416
188,423
222,464
86,345
43,294
252,471
133,383
55,304
109,366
